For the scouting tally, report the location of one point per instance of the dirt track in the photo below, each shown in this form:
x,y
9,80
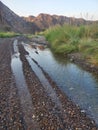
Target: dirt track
x,y
39,112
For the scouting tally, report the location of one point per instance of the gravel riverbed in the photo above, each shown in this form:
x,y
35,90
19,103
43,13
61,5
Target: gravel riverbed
x,y
43,114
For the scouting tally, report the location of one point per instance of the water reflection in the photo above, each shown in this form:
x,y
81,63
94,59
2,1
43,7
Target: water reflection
x,y
25,97
48,88
80,85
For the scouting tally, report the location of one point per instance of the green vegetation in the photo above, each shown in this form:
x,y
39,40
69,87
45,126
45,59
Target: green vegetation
x,y
8,34
69,39
30,36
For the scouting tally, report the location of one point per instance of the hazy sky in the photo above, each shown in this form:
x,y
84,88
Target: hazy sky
x,y
87,9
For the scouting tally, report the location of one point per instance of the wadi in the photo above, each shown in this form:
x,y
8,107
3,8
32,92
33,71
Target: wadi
x,y
48,72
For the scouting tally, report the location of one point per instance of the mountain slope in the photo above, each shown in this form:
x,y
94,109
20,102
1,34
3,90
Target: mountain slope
x,y
10,21
44,21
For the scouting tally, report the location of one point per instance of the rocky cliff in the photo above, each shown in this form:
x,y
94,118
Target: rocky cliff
x,y
10,21
44,21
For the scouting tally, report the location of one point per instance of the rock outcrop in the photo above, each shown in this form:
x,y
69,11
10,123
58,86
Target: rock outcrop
x,y
10,21
44,21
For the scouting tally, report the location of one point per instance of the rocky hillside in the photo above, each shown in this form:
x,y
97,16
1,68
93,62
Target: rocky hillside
x,y
10,21
44,21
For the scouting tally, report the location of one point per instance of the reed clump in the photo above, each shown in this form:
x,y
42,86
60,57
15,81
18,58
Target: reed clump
x,y
68,39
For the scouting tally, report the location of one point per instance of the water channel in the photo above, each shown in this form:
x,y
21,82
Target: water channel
x,y
79,85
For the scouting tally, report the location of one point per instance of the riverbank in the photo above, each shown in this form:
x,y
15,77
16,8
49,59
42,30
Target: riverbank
x,y
70,117
78,59
70,40
75,57
46,114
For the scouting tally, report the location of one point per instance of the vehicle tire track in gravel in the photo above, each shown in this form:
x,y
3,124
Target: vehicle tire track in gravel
x,y
48,116
10,111
23,92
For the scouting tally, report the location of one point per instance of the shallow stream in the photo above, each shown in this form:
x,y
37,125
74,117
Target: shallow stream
x,y
79,85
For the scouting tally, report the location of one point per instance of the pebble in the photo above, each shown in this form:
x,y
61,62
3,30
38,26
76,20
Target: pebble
x,y
47,114
33,116
82,111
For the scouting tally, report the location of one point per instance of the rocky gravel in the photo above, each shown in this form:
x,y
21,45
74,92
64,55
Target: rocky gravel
x,y
47,115
11,117
78,59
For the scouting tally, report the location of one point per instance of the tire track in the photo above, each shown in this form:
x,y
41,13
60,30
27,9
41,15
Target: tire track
x,y
24,95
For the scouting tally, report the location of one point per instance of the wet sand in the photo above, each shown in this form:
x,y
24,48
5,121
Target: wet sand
x,y
45,113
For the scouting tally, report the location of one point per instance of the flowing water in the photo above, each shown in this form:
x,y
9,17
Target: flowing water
x,y
80,85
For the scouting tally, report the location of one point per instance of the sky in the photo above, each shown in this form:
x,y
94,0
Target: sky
x,y
87,9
